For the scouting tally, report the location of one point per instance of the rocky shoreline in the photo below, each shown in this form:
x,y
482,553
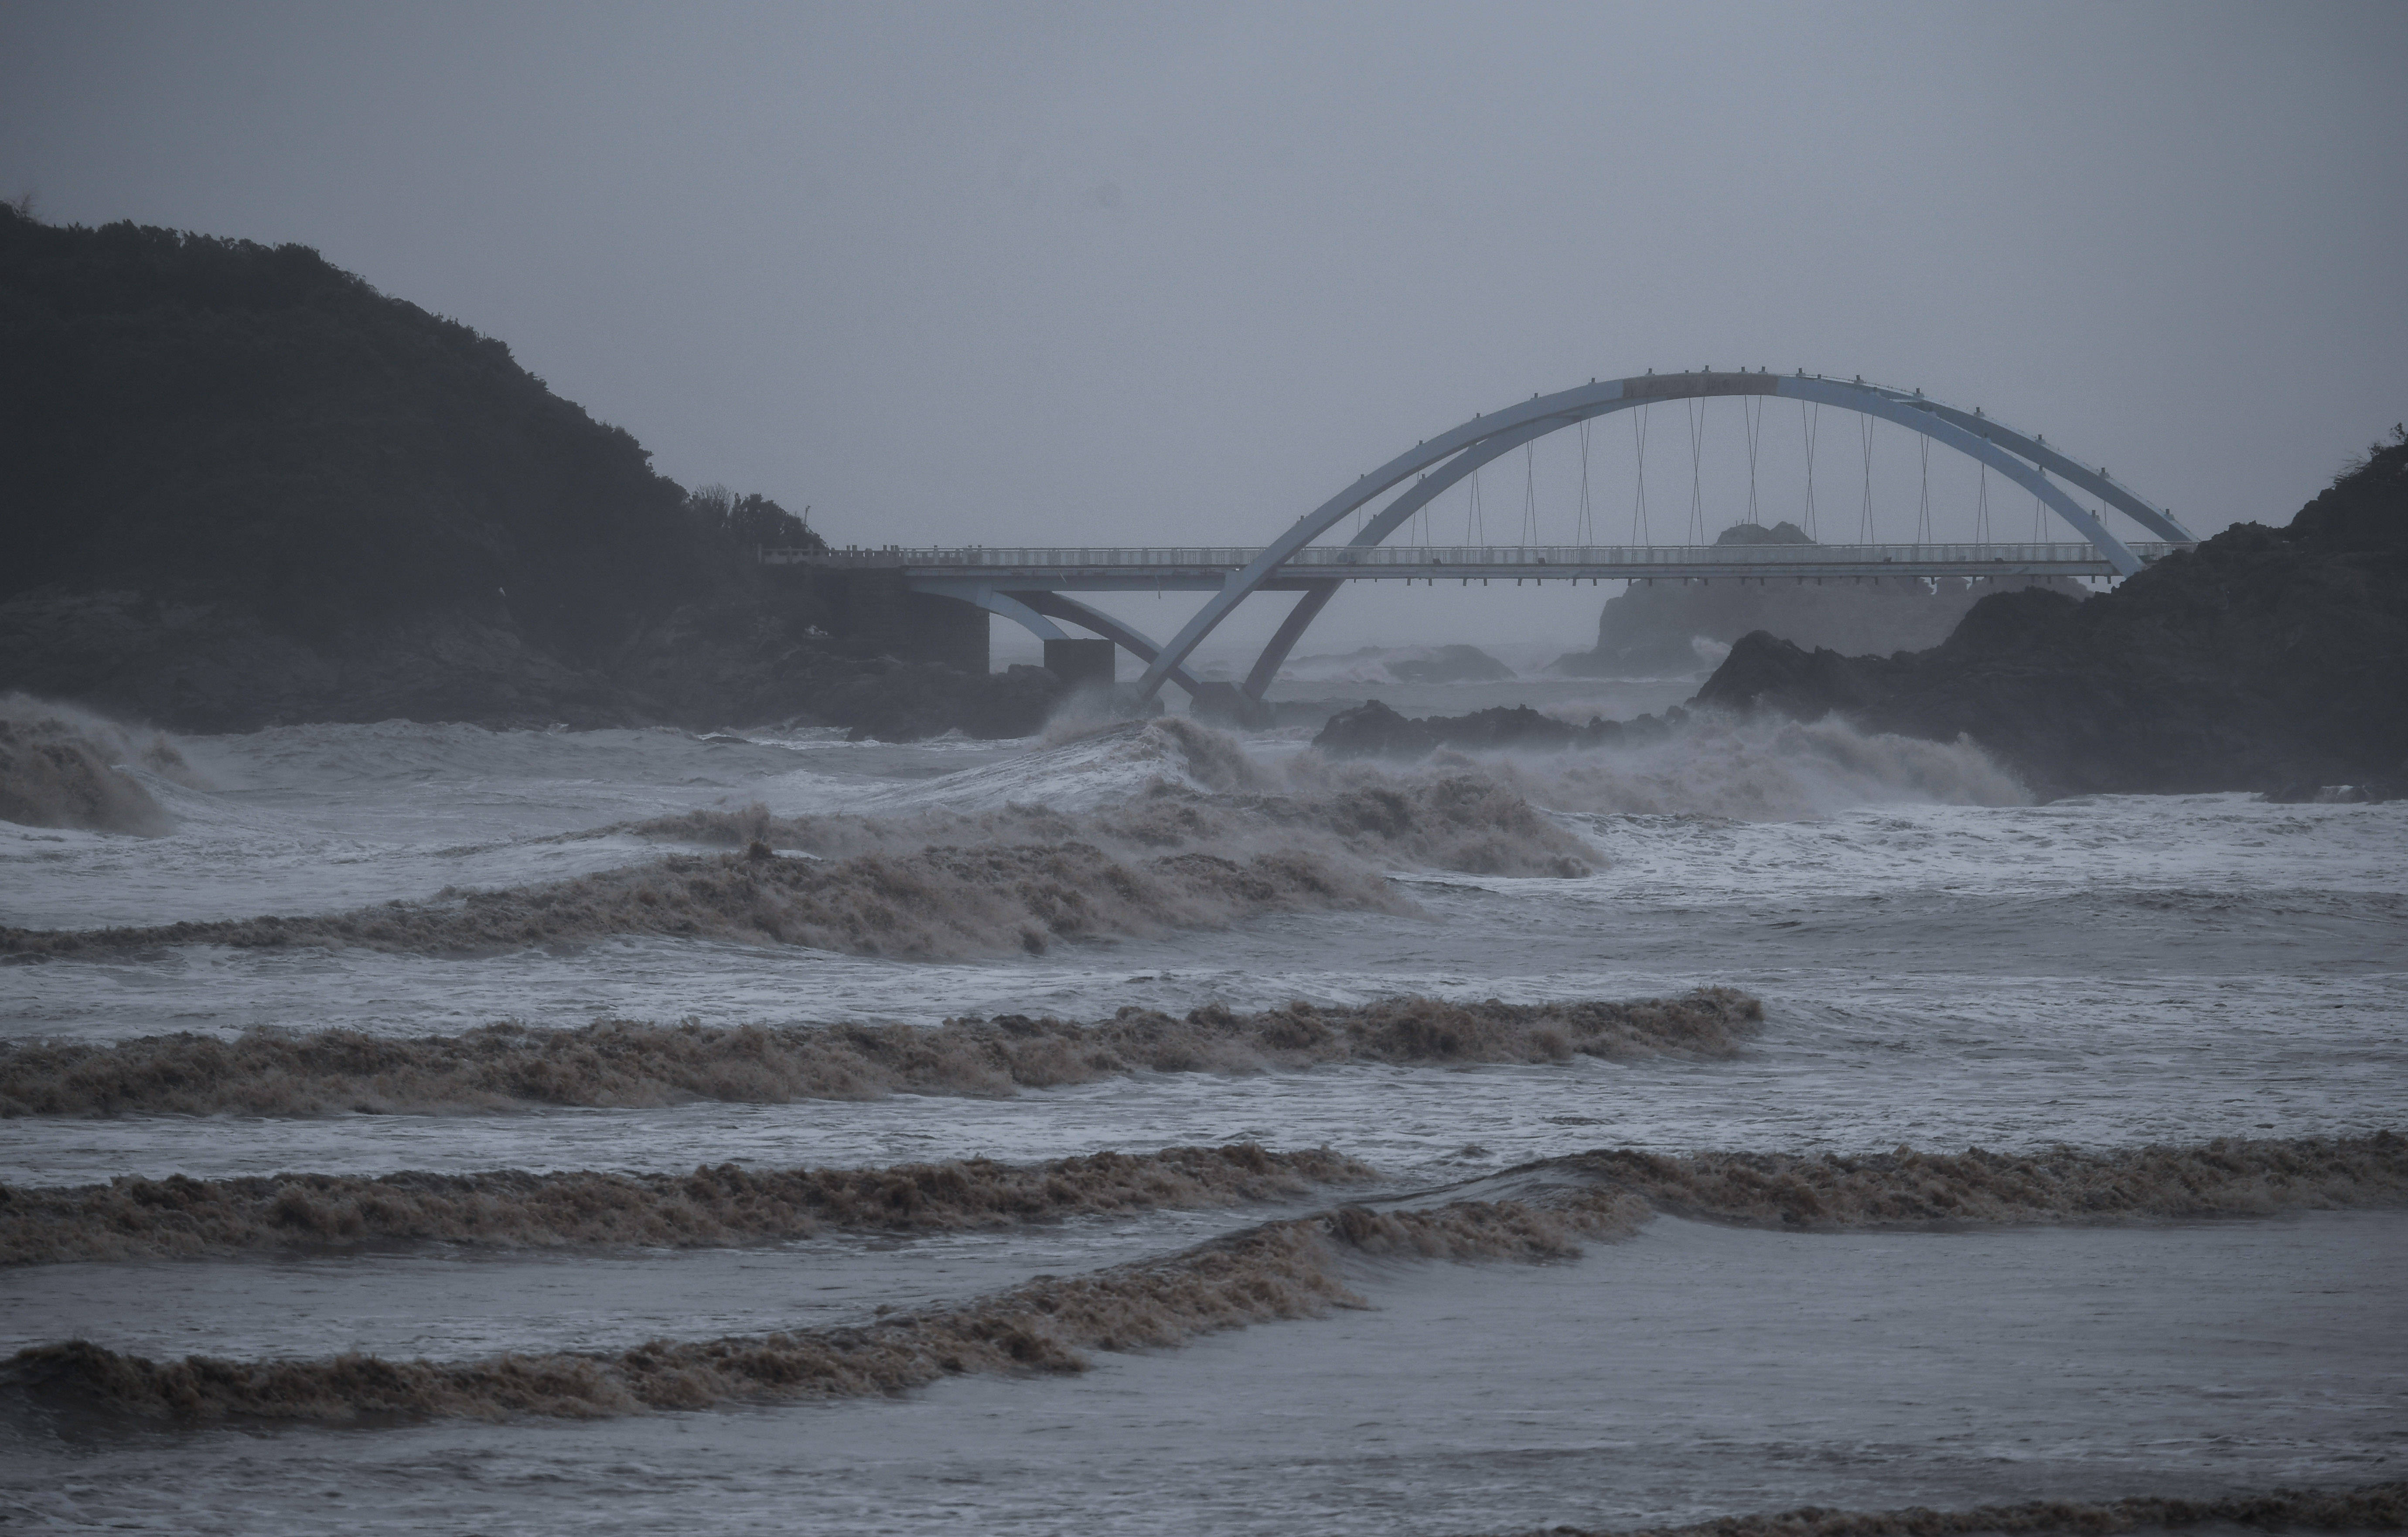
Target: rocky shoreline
x,y
209,667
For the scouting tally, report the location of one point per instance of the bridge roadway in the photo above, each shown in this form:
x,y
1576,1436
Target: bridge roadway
x,y
999,568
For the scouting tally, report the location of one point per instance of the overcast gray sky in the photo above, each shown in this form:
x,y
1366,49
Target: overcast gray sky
x,y
1129,274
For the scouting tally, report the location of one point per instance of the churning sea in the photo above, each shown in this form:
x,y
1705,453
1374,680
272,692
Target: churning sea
x,y
1943,963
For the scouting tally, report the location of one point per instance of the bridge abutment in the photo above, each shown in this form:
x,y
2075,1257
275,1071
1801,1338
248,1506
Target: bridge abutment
x,y
947,630
874,613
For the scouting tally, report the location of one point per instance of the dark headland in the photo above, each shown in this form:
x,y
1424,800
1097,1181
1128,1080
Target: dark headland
x,y
245,488
2268,659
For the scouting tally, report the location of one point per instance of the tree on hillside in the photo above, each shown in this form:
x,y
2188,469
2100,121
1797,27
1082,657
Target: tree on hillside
x,y
750,522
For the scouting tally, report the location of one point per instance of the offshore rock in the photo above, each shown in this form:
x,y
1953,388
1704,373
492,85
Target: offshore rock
x,y
1450,664
1657,630
2268,659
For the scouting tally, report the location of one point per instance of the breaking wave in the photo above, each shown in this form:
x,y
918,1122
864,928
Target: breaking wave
x,y
718,1207
1281,1269
627,1064
1457,822
132,1219
928,882
1690,762
1759,769
2374,1507
935,902
2227,1177
59,768
1288,1268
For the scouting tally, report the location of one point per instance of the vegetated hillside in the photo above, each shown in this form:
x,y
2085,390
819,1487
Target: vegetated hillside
x,y
1648,630
229,421
2267,659
244,487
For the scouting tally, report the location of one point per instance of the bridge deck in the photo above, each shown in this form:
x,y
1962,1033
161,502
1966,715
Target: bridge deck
x,y
1208,568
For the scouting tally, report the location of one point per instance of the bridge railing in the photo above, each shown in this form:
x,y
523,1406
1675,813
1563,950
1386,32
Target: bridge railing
x,y
1333,559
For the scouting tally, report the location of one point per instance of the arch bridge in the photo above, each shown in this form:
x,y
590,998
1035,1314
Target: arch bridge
x,y
1030,585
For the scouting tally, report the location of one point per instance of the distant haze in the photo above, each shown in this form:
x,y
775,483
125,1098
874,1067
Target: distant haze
x,y
1119,274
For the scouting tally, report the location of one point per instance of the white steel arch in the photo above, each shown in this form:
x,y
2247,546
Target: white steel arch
x,y
1443,460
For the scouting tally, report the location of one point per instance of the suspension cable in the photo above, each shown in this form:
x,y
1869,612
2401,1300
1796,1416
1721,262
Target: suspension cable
x,y
1922,508
1587,531
1639,505
1865,437
1697,477
1810,421
1982,502
1530,491
1753,422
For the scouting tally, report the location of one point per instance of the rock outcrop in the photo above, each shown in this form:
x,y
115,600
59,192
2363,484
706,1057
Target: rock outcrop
x,y
2270,659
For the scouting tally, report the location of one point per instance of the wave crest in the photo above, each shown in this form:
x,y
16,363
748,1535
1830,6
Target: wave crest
x,y
1288,1268
1462,822
2229,1176
621,1063
132,1219
1765,768
59,768
1281,1270
933,903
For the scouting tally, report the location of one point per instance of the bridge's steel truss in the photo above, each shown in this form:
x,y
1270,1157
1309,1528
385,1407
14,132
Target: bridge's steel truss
x,y
1027,584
